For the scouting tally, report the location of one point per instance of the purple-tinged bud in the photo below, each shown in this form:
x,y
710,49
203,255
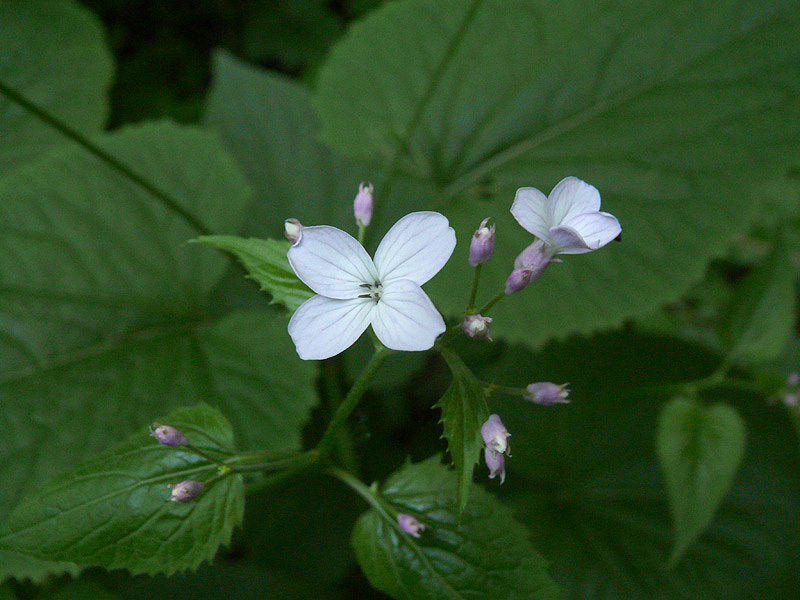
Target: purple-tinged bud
x,y
496,463
518,280
529,266
363,204
790,400
410,525
482,245
185,490
495,435
547,393
793,378
477,327
169,436
292,229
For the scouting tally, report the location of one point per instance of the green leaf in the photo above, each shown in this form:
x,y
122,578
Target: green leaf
x,y
20,566
79,590
113,511
673,135
586,479
54,53
761,315
266,262
464,411
700,449
483,554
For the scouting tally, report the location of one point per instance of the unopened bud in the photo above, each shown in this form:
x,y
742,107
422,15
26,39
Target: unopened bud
x,y
410,525
793,378
185,490
477,327
363,204
292,229
529,266
169,436
518,280
547,393
790,400
482,245
496,463
495,435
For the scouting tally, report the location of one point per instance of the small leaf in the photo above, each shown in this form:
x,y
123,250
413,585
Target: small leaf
x,y
266,262
700,450
464,411
483,553
762,313
113,511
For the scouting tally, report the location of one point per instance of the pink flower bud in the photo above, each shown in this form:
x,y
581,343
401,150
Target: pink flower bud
x,y
292,229
410,525
496,463
518,280
477,327
529,266
790,400
482,245
169,436
363,204
185,490
793,378
495,436
547,394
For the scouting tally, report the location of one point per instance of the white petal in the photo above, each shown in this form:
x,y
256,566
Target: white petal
x,y
531,210
323,327
405,318
588,232
331,262
572,197
415,248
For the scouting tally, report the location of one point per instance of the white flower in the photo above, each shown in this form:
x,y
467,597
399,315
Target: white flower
x,y
569,221
354,291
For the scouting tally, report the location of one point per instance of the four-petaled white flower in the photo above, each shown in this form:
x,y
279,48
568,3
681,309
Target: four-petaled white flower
x,y
569,221
353,291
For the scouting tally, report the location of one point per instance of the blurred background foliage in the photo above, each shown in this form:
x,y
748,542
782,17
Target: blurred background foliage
x,y
585,478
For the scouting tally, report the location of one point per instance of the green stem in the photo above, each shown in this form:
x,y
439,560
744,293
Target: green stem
x,y
491,303
474,294
491,388
362,230
351,401
270,461
205,455
345,450
111,161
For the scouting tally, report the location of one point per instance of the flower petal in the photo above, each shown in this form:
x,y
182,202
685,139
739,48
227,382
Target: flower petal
x,y
531,210
323,327
405,318
588,232
572,197
415,248
331,262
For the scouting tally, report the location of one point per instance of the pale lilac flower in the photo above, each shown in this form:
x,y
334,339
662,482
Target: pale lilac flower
x,y
481,246
793,378
790,400
528,266
518,280
496,463
569,221
353,291
477,327
410,525
292,229
363,204
495,436
185,490
547,393
169,436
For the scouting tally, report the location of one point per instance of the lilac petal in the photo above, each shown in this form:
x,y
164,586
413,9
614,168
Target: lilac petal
x,y
531,210
331,262
405,318
415,248
585,233
572,197
323,327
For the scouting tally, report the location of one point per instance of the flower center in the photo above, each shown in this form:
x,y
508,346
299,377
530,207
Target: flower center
x,y
374,291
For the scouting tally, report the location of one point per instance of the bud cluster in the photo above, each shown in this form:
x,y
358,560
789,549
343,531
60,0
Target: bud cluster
x,y
495,437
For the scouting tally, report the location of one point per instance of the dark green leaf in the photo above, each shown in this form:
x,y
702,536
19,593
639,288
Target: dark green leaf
x,y
265,261
464,410
484,553
54,53
113,511
700,449
79,590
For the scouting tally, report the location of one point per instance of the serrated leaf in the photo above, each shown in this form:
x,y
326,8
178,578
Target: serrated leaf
x,y
266,262
761,315
700,450
464,411
673,135
54,53
483,553
113,511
